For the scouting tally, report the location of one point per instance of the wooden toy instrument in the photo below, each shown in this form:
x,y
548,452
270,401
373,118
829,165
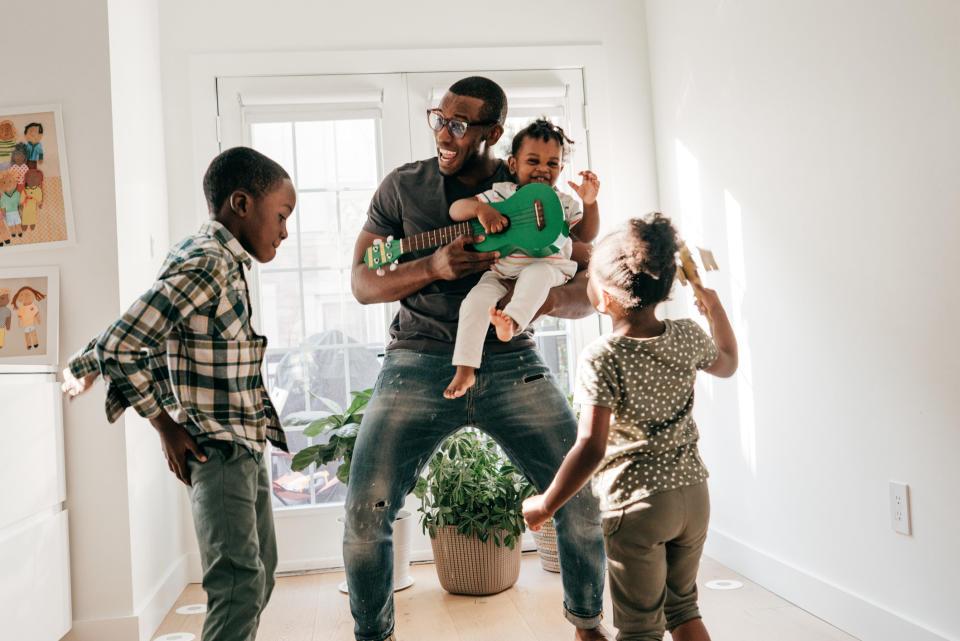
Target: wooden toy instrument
x,y
687,267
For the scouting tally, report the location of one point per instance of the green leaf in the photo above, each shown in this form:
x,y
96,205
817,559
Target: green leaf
x,y
332,405
358,403
319,426
304,458
300,418
343,473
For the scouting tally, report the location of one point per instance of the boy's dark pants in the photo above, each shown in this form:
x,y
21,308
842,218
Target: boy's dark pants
x,y
233,519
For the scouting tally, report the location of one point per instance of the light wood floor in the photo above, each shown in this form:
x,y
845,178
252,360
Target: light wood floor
x,y
310,608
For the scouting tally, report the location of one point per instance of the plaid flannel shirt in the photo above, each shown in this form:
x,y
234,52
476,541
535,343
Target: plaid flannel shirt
x,y
187,347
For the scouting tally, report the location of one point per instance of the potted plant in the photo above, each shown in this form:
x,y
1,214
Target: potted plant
x,y
470,500
339,428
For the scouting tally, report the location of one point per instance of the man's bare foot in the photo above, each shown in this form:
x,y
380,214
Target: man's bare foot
x,y
506,327
598,633
462,381
692,630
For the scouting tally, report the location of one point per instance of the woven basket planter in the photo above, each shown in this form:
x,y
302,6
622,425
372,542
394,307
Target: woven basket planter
x,y
546,540
466,565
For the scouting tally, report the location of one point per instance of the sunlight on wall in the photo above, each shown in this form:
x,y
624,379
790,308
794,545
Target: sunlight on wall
x,y
689,221
738,289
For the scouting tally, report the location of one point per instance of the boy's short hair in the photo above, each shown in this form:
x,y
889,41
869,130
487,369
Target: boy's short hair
x,y
494,100
33,124
240,168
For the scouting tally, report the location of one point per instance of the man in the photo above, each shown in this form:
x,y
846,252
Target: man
x,y
515,399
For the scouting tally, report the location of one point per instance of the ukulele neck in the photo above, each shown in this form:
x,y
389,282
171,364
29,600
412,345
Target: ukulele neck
x,y
436,237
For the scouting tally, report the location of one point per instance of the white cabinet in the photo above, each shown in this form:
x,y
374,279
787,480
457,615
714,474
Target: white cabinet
x,y
34,557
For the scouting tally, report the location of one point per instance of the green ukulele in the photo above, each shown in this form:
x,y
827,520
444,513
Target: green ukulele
x,y
536,223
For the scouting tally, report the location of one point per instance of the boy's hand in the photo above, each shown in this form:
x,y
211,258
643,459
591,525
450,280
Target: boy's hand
x,y
589,189
73,386
707,299
534,512
176,443
493,222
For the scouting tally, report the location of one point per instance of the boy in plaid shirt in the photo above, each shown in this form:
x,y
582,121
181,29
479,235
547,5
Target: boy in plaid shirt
x,y
185,357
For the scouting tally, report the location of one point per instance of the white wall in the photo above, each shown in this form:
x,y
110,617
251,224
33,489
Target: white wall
x,y
815,145
155,498
71,67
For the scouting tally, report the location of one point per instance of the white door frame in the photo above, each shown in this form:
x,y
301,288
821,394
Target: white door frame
x,y
208,134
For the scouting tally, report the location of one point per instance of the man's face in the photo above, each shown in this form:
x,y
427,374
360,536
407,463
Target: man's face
x,y
33,135
4,299
456,154
264,226
7,132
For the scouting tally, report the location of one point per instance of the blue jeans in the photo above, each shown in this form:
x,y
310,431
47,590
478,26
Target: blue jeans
x,y
516,401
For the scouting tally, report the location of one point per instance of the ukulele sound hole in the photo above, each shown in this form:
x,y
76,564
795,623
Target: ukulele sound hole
x,y
541,220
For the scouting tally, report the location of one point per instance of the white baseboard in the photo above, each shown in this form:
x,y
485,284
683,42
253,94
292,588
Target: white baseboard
x,y
157,606
845,610
117,629
194,569
144,624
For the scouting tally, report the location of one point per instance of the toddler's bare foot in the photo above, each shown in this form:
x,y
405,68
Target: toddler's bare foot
x,y
506,327
462,381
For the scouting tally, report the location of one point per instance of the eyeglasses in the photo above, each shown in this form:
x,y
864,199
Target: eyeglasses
x,y
457,128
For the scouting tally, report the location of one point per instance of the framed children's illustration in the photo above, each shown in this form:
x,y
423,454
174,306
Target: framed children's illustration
x,y
35,209
29,315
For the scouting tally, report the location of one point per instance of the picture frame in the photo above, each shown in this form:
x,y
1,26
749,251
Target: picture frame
x,y
31,322
45,213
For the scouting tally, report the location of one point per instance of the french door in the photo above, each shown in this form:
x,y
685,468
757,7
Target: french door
x,y
337,136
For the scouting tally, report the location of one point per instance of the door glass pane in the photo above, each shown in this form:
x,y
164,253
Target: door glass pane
x,y
323,344
316,155
318,228
280,308
322,301
275,140
357,153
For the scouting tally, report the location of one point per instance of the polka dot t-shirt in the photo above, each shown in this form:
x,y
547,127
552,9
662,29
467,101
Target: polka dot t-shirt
x,y
648,384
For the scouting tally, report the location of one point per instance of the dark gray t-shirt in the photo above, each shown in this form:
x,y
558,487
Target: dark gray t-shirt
x,y
412,199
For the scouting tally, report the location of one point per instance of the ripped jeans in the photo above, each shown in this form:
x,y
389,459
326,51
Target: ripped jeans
x,y
517,402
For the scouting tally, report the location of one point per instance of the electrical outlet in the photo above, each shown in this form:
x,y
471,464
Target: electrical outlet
x,y
900,507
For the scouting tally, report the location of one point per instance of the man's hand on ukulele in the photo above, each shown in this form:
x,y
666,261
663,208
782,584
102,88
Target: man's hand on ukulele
x,y
454,261
493,222
73,386
587,190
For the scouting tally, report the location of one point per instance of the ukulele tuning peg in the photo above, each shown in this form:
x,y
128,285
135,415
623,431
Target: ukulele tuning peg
x,y
389,239
380,271
393,267
377,241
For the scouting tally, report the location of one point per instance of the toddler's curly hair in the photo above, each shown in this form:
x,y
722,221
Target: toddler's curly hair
x,y
542,129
